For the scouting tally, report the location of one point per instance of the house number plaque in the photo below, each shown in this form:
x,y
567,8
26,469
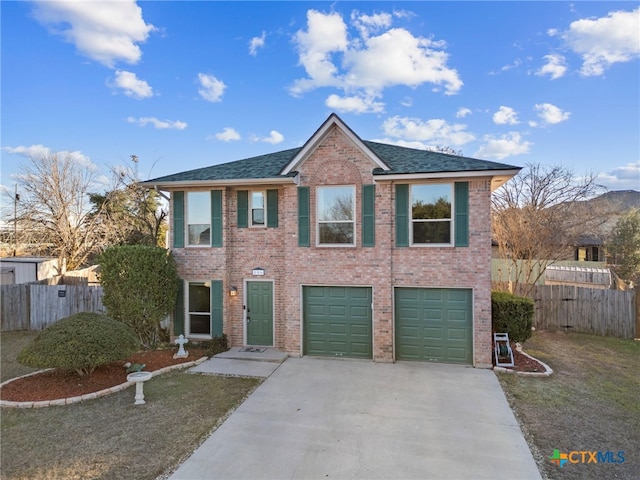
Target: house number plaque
x,y
257,272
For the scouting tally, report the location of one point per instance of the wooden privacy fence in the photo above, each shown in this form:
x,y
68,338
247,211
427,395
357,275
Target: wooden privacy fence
x,y
35,307
609,313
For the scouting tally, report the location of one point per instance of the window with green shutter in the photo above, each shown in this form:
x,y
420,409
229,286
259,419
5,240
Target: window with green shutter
x,y
178,313
402,215
272,208
178,219
217,298
368,215
243,208
303,217
216,218
257,208
461,204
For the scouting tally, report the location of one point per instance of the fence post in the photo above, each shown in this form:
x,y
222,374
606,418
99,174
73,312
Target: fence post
x,y
637,294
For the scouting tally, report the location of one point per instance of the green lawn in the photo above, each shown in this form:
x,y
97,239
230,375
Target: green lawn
x,y
110,438
590,403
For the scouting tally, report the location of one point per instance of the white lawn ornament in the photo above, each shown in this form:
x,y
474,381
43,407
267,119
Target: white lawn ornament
x,y
182,353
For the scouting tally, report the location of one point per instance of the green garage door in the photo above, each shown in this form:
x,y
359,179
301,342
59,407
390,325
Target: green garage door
x,y
337,321
434,324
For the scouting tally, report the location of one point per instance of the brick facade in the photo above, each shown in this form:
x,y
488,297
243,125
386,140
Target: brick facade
x,y
337,160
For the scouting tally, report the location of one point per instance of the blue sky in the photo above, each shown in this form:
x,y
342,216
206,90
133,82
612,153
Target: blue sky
x,y
183,85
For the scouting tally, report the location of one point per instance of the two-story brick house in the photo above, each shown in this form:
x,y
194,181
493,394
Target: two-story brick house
x,y
342,247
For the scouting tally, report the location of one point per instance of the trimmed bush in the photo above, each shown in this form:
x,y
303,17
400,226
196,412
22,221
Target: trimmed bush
x,y
513,315
211,347
80,342
140,286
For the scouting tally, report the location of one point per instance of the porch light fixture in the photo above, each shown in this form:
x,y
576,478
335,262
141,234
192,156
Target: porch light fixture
x,y
233,291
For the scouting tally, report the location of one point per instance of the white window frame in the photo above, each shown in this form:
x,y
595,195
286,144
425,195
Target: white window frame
x,y
188,313
187,222
451,219
264,208
352,222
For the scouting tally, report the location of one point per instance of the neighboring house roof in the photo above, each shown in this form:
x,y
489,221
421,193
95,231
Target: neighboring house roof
x,y
389,162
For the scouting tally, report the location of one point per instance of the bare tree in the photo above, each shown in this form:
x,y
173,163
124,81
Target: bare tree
x,y
130,213
537,217
55,209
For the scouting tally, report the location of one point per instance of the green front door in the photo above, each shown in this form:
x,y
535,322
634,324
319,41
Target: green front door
x,y
337,321
434,324
260,313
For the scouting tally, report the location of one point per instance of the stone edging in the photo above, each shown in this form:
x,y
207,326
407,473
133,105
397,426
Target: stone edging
x,y
86,396
548,370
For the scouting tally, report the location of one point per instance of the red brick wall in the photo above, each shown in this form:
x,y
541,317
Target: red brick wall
x,y
337,161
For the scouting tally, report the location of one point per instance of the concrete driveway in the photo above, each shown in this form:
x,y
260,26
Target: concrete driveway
x,y
319,418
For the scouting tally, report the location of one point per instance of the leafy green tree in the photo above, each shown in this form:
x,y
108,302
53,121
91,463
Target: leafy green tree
x,y
623,246
80,342
140,287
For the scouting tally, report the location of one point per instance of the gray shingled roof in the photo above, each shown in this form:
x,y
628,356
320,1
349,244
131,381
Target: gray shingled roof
x,y
402,160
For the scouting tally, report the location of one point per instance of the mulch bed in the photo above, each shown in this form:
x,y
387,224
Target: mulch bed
x,y
57,384
523,363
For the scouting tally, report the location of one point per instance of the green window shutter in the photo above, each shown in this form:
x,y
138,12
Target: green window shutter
x,y
216,308
216,218
402,215
461,224
272,208
303,217
368,215
178,312
178,219
243,208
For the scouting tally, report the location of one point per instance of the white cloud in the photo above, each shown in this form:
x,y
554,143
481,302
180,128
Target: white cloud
x,y
516,63
555,66
463,112
331,59
131,85
433,131
505,116
107,32
211,89
257,42
604,41
551,114
354,104
228,134
159,124
368,24
502,147
626,177
40,151
274,138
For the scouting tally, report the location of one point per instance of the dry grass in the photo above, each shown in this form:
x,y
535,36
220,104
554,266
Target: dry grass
x,y
590,403
110,438
10,345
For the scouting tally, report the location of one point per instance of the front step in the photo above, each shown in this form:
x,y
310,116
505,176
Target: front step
x,y
254,353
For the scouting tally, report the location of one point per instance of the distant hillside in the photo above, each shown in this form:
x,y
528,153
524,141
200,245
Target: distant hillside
x,y
617,201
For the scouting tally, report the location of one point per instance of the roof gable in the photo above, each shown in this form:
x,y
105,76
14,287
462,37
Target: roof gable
x,y
389,163
319,135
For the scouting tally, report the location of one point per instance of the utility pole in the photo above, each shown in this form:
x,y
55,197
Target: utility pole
x,y
16,197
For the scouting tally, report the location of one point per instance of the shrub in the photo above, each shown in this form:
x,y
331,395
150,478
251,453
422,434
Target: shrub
x,y
140,288
513,315
80,342
211,347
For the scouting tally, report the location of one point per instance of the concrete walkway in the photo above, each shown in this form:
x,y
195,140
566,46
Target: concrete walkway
x,y
351,419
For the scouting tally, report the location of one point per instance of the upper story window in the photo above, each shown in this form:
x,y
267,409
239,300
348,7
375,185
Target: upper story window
x,y
199,218
336,215
431,217
257,209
